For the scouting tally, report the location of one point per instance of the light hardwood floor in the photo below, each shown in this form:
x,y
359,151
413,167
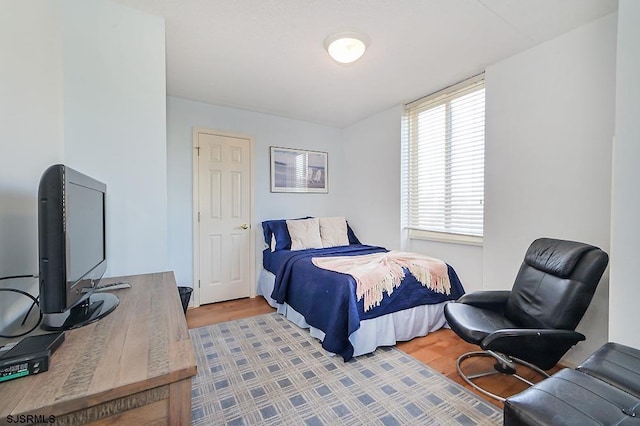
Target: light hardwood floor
x,y
439,350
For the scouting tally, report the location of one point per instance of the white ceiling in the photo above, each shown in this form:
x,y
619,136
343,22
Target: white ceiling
x,y
268,55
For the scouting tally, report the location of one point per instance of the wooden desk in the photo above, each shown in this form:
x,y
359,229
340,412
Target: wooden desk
x,y
133,366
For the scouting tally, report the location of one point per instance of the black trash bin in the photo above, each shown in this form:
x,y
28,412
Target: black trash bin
x,y
185,295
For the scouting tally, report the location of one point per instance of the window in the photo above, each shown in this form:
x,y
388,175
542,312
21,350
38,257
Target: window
x,y
445,163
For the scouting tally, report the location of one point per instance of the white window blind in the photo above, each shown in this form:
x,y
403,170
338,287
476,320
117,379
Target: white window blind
x,y
445,170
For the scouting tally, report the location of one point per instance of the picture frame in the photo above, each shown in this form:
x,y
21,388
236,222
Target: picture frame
x,y
298,170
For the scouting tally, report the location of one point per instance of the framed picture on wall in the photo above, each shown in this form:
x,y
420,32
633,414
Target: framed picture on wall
x,y
298,170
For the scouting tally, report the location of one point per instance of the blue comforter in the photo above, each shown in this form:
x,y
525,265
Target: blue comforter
x,y
327,299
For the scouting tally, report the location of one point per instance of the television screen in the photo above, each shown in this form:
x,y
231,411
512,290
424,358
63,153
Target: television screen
x,y
72,252
85,231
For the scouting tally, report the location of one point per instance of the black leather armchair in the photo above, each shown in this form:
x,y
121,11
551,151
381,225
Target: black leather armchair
x,y
534,323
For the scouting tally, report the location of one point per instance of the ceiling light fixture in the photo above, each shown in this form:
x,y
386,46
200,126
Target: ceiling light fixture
x,y
346,47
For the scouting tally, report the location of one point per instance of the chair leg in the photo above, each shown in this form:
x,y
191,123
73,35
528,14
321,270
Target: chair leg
x,y
505,365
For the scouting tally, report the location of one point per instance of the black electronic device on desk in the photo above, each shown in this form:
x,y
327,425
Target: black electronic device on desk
x,y
30,356
72,249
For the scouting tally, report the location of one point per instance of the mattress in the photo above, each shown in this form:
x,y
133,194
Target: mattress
x,y
384,330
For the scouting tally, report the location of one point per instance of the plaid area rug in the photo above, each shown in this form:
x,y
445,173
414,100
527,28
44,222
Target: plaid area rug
x,y
265,370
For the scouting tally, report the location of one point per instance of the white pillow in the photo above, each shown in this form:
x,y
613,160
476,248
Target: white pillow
x,y
305,233
333,231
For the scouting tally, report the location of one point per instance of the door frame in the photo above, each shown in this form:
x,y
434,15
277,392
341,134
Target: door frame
x,y
196,207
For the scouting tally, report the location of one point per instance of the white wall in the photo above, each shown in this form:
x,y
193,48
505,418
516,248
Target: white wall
x,y
31,134
624,315
266,130
82,83
371,176
115,124
550,121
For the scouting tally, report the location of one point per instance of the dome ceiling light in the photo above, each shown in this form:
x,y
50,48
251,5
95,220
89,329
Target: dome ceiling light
x,y
346,47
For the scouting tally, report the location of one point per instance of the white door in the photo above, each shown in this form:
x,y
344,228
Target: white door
x,y
224,249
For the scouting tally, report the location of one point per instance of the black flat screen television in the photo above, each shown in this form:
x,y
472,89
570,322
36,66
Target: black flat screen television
x,y
71,249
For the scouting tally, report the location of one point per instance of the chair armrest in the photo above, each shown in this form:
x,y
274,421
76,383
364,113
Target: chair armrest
x,y
542,347
515,334
490,300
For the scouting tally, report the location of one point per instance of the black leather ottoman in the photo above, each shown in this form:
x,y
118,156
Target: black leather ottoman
x,y
571,397
617,365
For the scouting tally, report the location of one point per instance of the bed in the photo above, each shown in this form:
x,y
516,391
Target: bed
x,y
326,302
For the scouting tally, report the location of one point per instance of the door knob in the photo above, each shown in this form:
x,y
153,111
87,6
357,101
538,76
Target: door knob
x,y
244,226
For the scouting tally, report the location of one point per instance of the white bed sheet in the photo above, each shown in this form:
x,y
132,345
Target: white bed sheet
x,y
385,330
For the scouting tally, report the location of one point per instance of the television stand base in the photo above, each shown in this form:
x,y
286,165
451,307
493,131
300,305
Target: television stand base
x,y
92,309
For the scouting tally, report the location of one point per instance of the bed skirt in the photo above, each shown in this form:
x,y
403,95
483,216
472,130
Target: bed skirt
x,y
385,330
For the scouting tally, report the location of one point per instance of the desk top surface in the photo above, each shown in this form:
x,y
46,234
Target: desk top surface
x,y
144,343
